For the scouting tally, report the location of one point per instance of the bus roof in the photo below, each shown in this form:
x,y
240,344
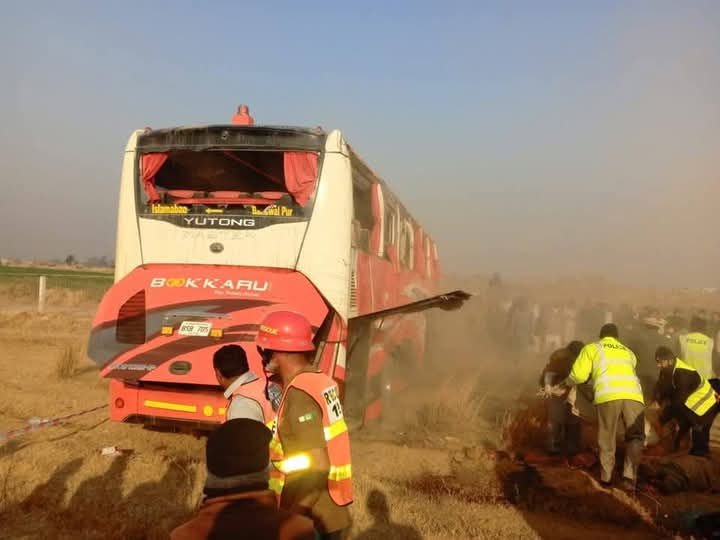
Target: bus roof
x,y
230,137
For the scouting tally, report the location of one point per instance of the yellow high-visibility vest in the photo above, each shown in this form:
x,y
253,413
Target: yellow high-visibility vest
x,y
611,366
703,397
696,350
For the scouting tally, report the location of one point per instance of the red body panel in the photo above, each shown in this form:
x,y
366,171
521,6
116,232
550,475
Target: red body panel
x,y
383,283
234,299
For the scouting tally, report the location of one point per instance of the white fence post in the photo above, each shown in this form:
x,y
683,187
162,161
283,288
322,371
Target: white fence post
x,y
42,290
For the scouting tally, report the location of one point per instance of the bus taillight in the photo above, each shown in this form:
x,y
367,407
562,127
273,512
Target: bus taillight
x,y
131,320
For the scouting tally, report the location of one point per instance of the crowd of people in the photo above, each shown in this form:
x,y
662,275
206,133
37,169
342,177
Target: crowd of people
x,y
684,388
624,359
531,327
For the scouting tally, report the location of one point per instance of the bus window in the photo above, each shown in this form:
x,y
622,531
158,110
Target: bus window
x,y
391,224
428,258
243,182
419,252
377,235
363,220
406,245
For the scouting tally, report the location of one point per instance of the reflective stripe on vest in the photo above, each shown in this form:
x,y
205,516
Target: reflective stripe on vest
x,y
324,392
255,390
277,478
614,375
696,350
703,398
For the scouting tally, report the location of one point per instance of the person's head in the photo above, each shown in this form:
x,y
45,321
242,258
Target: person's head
x,y
609,330
654,324
285,342
574,348
229,363
697,324
237,458
664,357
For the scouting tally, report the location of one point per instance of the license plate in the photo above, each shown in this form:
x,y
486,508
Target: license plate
x,y
194,328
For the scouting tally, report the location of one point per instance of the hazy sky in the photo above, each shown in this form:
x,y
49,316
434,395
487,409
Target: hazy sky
x,y
529,137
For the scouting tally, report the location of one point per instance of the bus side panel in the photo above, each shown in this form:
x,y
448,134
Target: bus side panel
x,y
398,347
128,253
325,256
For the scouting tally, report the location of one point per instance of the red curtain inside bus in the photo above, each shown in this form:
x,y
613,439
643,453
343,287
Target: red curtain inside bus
x,y
300,172
376,236
151,164
419,246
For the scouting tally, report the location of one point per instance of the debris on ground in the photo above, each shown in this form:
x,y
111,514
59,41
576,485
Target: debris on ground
x,y
114,451
681,473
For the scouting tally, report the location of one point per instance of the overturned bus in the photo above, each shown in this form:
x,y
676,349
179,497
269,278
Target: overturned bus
x,y
219,225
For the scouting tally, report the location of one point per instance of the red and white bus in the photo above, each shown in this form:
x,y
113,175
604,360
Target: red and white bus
x,y
219,225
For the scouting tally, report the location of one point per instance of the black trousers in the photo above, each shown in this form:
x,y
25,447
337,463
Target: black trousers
x,y
563,428
701,432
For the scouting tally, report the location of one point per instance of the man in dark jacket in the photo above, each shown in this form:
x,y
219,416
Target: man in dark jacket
x,y
563,424
689,399
238,504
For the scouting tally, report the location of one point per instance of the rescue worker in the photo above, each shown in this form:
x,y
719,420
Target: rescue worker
x,y
310,449
618,394
563,423
244,390
238,504
688,398
696,350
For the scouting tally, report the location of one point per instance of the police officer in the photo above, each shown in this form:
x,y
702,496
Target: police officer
x,y
618,394
696,350
310,449
688,398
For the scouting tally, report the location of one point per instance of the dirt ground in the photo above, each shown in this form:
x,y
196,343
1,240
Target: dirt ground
x,y
438,467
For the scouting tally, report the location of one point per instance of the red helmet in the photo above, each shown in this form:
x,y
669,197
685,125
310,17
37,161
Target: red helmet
x,y
285,331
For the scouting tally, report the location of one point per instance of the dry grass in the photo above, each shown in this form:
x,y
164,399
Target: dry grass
x,y
25,293
453,403
6,491
524,428
54,483
67,361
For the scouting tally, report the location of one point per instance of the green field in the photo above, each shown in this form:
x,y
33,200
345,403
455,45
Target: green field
x,y
21,282
19,271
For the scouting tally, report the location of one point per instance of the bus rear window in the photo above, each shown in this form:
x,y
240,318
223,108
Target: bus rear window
x,y
277,183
